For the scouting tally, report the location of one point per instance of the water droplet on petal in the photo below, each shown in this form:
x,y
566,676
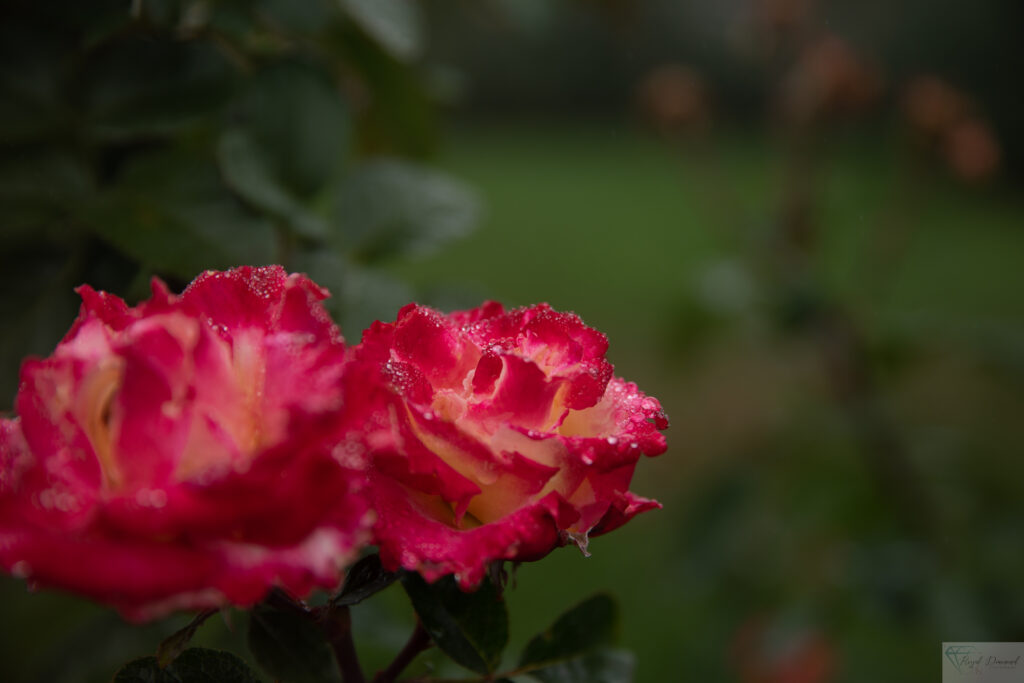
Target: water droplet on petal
x,y
21,569
64,502
151,498
46,499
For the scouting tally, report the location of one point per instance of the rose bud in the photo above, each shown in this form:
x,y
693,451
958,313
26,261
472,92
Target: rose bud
x,y
495,435
177,455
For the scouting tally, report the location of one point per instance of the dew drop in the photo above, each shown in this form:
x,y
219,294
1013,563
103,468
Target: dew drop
x,y
170,410
21,570
46,499
151,498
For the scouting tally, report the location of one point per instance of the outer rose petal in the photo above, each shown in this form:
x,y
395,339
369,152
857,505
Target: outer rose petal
x,y
411,535
180,454
496,435
148,579
263,298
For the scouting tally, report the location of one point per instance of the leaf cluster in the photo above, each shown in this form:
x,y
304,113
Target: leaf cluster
x,y
293,642
165,137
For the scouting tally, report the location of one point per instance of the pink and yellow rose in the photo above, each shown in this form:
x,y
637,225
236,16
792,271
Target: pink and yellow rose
x,y
178,454
496,435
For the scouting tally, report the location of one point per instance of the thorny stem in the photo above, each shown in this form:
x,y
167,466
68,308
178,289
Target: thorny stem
x,y
418,642
337,624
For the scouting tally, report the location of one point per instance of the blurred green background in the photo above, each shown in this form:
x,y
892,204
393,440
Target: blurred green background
x,y
799,223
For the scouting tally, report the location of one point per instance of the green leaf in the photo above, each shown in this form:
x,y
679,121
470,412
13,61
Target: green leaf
x,y
389,207
173,214
163,13
290,646
471,628
306,17
196,665
400,115
397,25
365,578
612,666
359,295
573,649
370,294
36,305
172,646
40,191
248,173
32,62
589,625
145,87
39,175
297,118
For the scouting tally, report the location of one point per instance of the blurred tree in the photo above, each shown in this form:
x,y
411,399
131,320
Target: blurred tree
x,y
587,56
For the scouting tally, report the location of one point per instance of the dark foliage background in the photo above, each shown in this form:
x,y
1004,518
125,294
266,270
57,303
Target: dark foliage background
x,y
823,287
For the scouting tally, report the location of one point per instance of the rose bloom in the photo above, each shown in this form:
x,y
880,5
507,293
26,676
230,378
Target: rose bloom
x,y
495,435
177,454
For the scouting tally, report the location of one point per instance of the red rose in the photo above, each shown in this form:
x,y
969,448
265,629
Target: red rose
x,y
495,435
177,454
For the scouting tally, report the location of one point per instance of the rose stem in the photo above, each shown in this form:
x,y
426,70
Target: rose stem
x,y
338,627
418,642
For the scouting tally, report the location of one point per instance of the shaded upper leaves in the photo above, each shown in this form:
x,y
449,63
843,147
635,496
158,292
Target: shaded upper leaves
x,y
40,191
149,87
297,117
247,171
308,16
397,25
390,207
359,295
173,214
471,628
400,114
195,665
